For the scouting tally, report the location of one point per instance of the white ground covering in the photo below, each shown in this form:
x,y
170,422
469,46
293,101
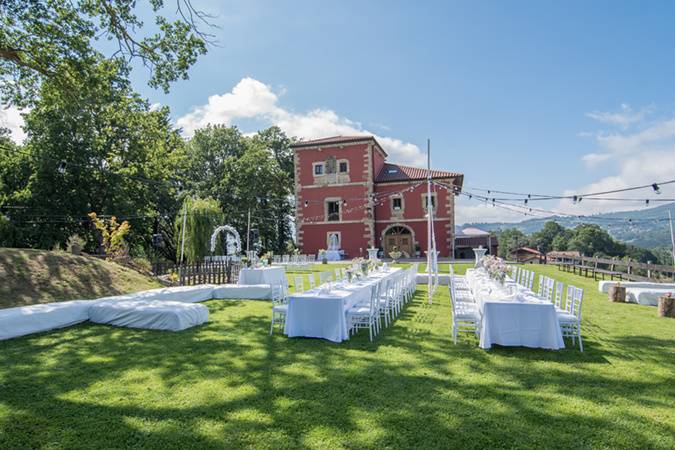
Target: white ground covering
x,y
251,291
24,320
603,286
642,292
646,296
149,314
155,308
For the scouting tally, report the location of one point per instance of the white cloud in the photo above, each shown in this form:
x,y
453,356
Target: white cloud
x,y
252,99
622,118
643,157
594,159
11,118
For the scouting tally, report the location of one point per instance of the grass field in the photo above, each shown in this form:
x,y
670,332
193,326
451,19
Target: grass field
x,y
228,384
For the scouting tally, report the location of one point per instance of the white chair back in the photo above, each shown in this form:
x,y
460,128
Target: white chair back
x,y
299,284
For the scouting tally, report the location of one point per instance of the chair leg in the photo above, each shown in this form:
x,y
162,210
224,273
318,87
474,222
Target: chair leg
x,y
272,326
581,345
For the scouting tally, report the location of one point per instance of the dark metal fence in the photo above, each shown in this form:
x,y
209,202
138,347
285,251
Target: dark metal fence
x,y
208,272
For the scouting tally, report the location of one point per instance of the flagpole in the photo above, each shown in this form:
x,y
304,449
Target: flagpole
x,y
429,223
672,237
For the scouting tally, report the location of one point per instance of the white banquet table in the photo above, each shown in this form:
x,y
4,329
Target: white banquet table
x,y
263,275
516,318
321,314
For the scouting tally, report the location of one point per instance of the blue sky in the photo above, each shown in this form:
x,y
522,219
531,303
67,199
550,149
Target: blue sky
x,y
515,95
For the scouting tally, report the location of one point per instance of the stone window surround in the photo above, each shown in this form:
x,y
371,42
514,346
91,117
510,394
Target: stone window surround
x,y
325,207
434,201
391,204
328,233
323,168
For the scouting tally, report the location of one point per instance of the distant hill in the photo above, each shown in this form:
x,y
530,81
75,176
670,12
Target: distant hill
x,y
642,234
37,276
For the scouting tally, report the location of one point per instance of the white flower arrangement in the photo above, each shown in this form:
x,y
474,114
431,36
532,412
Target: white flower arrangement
x,y
495,267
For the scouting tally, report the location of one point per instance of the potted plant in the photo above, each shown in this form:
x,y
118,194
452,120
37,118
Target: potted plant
x,y
395,254
323,256
418,250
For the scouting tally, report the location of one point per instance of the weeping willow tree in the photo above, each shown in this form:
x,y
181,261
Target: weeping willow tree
x,y
201,216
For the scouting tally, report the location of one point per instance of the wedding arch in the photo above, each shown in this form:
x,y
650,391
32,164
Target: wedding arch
x,y
227,229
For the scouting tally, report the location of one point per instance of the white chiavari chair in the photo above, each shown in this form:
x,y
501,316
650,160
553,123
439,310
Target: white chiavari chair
x,y
324,277
570,320
299,283
312,281
279,306
558,295
366,316
550,287
465,317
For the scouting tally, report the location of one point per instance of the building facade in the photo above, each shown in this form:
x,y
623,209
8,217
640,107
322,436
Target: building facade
x,y
469,238
345,189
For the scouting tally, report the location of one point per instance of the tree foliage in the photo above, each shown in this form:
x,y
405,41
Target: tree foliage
x,y
201,216
587,239
99,148
112,235
55,40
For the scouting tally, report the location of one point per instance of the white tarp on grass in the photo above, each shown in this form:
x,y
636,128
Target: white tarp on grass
x,y
148,314
25,320
251,291
603,286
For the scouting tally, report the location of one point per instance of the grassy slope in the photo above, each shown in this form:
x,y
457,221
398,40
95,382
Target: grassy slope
x,y
228,384
35,276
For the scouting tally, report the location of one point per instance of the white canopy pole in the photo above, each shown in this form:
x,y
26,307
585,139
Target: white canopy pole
x,y
430,229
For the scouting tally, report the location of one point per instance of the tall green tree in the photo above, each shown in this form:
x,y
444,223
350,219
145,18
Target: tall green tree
x,y
99,148
201,216
246,174
55,41
543,239
509,240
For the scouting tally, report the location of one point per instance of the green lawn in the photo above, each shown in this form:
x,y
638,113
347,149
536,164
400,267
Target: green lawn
x,y
228,384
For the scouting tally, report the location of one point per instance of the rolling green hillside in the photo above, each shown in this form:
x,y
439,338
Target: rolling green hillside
x,y
641,233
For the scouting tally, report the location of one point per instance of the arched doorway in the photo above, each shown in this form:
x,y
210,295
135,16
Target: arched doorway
x,y
398,236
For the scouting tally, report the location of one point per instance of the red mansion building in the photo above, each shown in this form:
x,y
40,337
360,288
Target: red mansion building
x,y
346,192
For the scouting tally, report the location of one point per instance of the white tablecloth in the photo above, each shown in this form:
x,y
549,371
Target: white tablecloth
x,y
516,318
320,314
263,275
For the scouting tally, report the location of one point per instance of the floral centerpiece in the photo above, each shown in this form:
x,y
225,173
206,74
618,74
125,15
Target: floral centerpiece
x,y
362,264
350,274
323,256
268,257
395,254
495,267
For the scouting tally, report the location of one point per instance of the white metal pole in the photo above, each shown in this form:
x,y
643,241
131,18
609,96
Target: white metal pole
x,y
248,232
672,237
182,241
429,223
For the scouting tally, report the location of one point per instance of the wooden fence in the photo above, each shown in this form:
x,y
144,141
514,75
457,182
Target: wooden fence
x,y
211,272
615,268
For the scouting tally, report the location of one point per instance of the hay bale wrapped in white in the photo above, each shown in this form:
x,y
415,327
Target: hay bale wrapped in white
x,y
148,314
23,320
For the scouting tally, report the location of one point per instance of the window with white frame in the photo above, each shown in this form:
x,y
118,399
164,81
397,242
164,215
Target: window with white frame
x,y
397,204
318,168
343,166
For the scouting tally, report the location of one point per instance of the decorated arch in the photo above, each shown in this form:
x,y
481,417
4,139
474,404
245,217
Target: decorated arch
x,y
231,232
